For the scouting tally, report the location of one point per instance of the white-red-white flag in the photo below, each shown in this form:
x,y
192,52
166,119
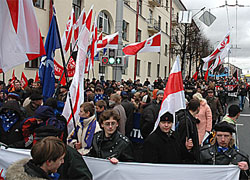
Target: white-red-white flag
x,y
24,81
78,27
19,33
109,41
67,35
152,44
174,97
76,88
218,55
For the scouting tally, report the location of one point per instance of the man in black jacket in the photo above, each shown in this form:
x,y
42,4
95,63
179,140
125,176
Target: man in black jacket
x,y
150,114
223,151
110,143
186,129
163,145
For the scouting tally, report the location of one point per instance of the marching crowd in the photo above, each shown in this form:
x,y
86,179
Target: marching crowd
x,y
116,123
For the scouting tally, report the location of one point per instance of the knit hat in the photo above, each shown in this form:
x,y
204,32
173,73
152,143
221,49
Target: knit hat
x,y
160,92
14,96
167,117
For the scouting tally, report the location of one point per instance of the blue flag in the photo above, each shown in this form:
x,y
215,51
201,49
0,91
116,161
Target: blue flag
x,y
46,69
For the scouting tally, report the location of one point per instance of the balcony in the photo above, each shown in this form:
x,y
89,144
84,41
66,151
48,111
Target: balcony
x,y
153,25
156,3
174,20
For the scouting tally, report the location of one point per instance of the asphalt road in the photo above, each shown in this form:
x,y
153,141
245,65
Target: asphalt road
x,y
243,128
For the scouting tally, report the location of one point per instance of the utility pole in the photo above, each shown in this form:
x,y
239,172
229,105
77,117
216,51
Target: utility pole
x,y
117,70
170,35
136,35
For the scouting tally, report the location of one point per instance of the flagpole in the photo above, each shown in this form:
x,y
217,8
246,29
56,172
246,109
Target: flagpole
x,y
66,77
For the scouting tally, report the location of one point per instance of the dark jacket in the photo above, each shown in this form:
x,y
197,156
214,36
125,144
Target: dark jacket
x,y
215,107
30,110
117,146
129,110
160,147
74,167
148,118
222,95
14,135
242,92
209,155
186,128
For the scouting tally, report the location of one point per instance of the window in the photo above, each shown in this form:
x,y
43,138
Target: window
x,y
39,3
138,67
139,35
125,26
103,23
140,7
158,70
33,63
166,27
167,5
150,14
149,69
165,72
101,69
166,50
159,22
77,7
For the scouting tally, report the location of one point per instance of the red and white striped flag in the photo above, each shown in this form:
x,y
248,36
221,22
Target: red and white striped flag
x,y
109,41
20,36
78,27
66,38
152,44
24,81
174,98
76,88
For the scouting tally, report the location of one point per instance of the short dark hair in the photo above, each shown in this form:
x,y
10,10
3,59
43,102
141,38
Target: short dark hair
x,y
233,110
108,114
48,149
88,107
193,104
101,103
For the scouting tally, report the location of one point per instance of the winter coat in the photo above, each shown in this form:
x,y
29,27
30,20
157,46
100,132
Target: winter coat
x,y
81,134
117,146
242,92
129,110
74,166
14,134
205,117
148,117
25,170
185,123
123,118
160,147
209,155
222,95
30,110
229,120
215,107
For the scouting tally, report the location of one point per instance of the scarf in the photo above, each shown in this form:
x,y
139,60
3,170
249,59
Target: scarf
x,y
8,118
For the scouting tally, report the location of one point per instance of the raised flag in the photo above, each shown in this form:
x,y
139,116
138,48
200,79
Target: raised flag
x,y
195,76
24,81
46,69
174,98
37,77
67,35
11,88
19,33
218,55
152,44
76,91
109,41
78,27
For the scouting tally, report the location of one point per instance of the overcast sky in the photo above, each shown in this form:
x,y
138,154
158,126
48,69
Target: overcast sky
x,y
216,32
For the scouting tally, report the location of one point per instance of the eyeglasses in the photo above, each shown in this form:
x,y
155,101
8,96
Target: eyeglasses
x,y
109,124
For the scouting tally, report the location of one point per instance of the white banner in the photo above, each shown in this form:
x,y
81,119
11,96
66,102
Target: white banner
x,y
104,170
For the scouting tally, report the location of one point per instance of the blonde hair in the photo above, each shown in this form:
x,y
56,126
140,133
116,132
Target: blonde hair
x,y
198,96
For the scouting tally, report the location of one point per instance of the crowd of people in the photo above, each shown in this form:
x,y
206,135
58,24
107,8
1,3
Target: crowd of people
x,y
116,123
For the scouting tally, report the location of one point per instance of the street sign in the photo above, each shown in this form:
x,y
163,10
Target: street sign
x,y
207,18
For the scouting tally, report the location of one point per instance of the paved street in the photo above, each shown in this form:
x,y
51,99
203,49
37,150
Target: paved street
x,y
243,128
